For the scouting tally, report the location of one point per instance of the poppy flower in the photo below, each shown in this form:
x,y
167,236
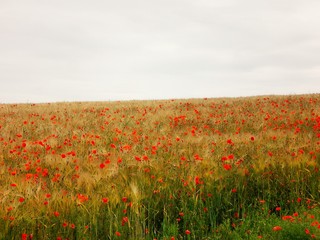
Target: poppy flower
x,y
124,220
276,228
229,141
197,180
24,236
227,167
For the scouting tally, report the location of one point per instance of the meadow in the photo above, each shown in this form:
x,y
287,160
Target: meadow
x,y
225,168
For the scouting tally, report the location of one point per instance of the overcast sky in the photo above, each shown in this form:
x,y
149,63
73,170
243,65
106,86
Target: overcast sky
x,y
81,50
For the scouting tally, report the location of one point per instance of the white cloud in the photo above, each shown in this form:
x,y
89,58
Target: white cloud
x,y
82,50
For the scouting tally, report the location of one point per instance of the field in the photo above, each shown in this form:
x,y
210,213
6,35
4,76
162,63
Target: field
x,y
233,168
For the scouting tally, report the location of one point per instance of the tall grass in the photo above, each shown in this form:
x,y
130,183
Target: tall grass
x,y
238,168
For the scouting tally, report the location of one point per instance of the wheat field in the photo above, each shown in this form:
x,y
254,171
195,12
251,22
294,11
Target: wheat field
x,y
224,168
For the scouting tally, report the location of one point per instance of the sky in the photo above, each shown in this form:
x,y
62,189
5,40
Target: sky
x,y
102,50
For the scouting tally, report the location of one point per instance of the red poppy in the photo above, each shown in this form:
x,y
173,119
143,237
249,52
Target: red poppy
x,y
24,236
124,220
277,228
82,198
229,141
227,167
197,180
